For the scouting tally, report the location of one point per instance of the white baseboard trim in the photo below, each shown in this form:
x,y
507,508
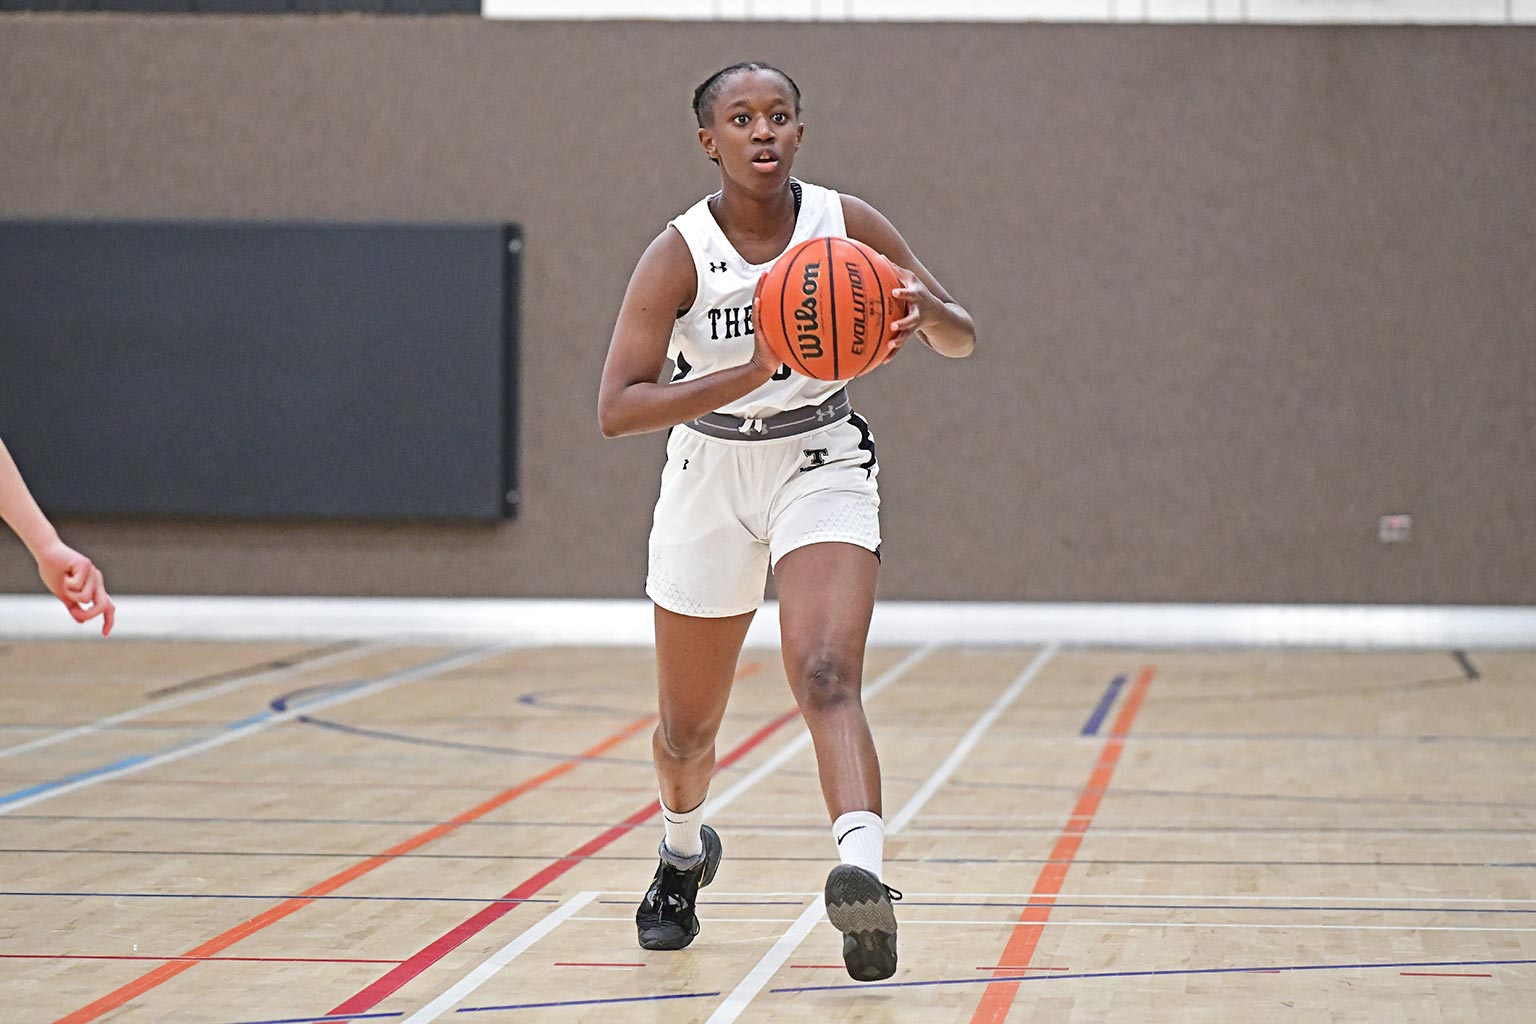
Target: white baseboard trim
x,y
571,622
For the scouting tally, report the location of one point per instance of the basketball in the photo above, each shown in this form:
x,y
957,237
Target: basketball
x,y
825,308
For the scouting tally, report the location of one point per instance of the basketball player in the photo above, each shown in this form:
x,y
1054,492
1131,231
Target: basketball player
x,y
67,574
769,469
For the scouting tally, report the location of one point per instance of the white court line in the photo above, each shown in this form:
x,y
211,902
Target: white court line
x,y
387,682
1003,922
748,988
764,970
803,740
968,742
1035,897
505,955
270,676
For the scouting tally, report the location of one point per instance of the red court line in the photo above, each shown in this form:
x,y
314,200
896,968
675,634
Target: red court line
x,y
144,983
196,959
1010,967
1435,974
998,998
440,947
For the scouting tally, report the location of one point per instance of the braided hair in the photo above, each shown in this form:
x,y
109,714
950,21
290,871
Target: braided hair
x,y
704,96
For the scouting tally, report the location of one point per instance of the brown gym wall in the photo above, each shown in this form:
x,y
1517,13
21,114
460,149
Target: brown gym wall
x,y
1241,290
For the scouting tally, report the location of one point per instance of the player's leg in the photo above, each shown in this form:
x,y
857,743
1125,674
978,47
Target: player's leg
x,y
696,664
826,598
706,577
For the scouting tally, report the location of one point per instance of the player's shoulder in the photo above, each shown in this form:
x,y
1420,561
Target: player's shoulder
x,y
865,223
694,219
666,267
856,210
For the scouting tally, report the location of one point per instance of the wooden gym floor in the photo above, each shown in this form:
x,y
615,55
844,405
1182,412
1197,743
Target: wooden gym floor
x,y
222,833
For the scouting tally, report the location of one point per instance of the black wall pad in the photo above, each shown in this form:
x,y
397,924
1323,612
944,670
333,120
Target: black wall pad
x,y
278,370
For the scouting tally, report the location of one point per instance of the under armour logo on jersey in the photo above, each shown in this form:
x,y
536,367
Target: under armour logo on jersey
x,y
818,457
824,412
717,268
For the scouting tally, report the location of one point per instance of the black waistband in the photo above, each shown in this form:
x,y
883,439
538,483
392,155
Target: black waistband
x,y
781,424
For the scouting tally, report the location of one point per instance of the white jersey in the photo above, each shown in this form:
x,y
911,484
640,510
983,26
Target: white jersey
x,y
716,333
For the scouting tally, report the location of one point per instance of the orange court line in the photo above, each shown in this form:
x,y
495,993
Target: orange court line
x,y
165,972
997,999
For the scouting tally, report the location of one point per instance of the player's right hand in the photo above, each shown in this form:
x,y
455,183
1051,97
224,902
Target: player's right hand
x,y
762,355
74,579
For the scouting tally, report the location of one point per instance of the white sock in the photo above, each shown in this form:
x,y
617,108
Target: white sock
x,y
860,837
683,839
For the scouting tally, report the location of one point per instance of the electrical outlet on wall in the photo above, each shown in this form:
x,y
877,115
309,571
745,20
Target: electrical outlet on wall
x,y
1394,529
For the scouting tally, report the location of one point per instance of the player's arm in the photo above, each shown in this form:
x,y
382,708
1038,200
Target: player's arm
x,y
932,313
66,573
630,401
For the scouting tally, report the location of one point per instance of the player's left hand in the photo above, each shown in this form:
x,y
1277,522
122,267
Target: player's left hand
x,y
920,305
73,579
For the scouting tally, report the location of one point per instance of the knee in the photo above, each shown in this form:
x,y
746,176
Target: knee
x,y
683,740
828,684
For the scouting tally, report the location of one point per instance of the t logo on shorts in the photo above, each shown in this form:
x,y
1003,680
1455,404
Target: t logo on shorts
x,y
818,457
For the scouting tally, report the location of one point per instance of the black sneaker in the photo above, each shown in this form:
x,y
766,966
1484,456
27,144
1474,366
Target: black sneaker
x,y
666,919
859,906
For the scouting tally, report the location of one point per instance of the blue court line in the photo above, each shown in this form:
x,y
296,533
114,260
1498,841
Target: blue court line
x,y
1237,830
536,699
1100,712
1338,798
1362,908
475,748
1523,864
273,896
865,987
1059,905
819,859
206,819
127,762
307,695
588,1002
43,787
1330,737
1108,829
327,1017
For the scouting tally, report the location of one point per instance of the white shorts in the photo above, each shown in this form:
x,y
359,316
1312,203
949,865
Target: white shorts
x,y
729,510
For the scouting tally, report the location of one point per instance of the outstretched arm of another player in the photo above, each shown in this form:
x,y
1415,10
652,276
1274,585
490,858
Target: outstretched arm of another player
x,y
67,574
932,314
630,401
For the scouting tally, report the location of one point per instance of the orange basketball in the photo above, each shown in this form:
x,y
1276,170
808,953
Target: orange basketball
x,y
825,308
